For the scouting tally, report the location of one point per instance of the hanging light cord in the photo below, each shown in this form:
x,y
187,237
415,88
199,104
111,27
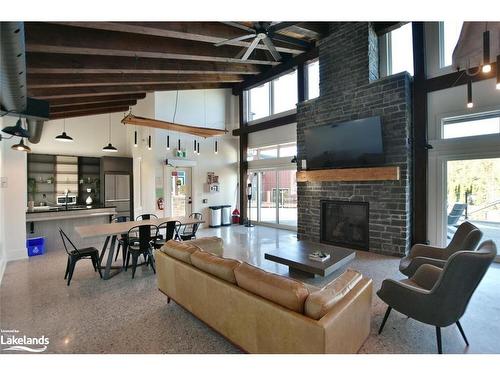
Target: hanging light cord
x,y
109,138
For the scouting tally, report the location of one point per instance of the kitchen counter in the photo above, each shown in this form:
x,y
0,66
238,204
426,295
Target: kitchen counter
x,y
45,213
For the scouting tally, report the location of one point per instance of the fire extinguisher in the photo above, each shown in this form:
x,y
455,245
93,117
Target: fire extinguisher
x,y
159,203
236,216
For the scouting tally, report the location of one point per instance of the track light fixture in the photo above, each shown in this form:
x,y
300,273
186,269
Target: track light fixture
x,y
179,144
149,142
198,148
135,139
194,147
470,103
486,52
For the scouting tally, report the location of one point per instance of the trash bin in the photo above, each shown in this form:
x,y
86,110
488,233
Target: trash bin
x,y
35,246
215,216
226,215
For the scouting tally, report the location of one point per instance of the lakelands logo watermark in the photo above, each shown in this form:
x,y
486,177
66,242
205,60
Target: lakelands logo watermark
x,y
11,340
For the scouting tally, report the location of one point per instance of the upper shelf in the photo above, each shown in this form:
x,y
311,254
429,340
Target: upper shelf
x,y
350,174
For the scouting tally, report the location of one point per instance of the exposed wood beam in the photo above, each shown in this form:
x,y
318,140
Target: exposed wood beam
x,y
60,102
275,71
279,121
61,92
166,125
313,30
209,32
40,63
90,106
382,28
454,79
74,40
77,80
88,113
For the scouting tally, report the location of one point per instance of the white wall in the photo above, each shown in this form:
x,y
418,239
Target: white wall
x,y
12,198
3,256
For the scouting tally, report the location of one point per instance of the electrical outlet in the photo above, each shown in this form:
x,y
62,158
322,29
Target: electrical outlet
x,y
205,200
3,182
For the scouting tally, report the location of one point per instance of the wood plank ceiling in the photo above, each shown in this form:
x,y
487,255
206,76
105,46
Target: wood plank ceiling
x,y
85,68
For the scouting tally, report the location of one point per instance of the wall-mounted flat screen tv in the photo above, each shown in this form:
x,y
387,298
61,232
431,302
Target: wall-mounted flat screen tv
x,y
355,143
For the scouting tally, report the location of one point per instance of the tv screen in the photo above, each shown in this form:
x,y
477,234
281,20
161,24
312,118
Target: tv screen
x,y
355,143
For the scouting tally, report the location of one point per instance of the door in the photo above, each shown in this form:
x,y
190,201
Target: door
x,y
180,188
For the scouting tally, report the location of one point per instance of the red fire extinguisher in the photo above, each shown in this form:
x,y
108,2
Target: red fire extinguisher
x,y
236,216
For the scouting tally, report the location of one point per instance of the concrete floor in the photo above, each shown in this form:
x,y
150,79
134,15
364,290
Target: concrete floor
x,y
122,315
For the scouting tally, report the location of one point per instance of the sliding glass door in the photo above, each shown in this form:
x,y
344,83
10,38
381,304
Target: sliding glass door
x,y
276,197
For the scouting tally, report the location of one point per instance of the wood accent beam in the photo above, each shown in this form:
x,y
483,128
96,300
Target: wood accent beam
x,y
40,63
209,32
273,123
459,78
88,113
158,124
276,71
350,174
63,92
60,102
91,106
75,40
80,80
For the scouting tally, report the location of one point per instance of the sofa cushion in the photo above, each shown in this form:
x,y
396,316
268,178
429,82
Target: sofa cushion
x,y
215,265
320,302
213,244
179,250
278,289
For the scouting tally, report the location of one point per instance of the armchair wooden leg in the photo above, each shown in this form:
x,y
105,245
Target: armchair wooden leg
x,y
462,333
387,312
438,337
168,299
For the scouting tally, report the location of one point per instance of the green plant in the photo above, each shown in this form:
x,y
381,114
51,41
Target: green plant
x,y
32,187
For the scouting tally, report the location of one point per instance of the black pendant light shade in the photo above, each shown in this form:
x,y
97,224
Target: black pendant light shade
x,y
21,147
486,52
179,144
149,142
109,147
135,139
194,148
216,148
17,130
198,148
470,103
63,137
498,72
168,142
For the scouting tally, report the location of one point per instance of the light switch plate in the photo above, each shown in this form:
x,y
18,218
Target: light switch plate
x,y
303,164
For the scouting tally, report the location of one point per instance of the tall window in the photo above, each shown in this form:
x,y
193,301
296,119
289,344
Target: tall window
x,y
449,32
400,50
259,103
312,79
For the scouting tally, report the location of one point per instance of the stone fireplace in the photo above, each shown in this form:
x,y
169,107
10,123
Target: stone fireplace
x,y
350,88
345,223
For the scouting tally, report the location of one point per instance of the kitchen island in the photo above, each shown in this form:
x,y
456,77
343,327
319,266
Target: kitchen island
x,y
45,221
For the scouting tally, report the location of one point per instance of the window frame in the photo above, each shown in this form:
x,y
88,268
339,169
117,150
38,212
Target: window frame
x,y
467,118
306,79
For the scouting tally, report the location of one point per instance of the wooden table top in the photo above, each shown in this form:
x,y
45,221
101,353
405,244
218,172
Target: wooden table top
x,y
100,230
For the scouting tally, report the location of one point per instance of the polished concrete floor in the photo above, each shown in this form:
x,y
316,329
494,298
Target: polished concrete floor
x,y
122,315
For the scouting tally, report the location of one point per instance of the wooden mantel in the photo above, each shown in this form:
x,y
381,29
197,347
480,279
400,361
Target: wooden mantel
x,y
350,174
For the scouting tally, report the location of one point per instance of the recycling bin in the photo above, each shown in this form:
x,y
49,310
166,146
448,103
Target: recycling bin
x,y
226,215
215,216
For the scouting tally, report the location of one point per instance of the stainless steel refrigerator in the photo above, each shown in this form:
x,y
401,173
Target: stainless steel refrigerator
x,y
117,193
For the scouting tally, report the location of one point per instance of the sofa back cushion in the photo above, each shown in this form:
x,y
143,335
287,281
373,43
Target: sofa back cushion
x,y
214,265
213,244
318,303
278,289
179,250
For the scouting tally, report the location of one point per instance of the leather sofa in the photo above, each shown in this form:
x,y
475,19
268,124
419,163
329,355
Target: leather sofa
x,y
261,312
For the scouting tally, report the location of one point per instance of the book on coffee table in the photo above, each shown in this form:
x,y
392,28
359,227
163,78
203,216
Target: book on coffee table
x,y
319,256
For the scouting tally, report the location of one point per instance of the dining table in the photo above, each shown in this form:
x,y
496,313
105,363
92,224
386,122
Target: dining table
x,y
112,230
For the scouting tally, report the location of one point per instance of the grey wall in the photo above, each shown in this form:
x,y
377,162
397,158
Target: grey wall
x,y
349,90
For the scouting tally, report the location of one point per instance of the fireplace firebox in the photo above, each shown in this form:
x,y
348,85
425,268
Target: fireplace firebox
x,y
345,223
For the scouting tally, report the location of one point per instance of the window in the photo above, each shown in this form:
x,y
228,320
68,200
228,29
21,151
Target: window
x,y
449,32
272,152
312,79
471,126
400,50
285,92
277,96
259,104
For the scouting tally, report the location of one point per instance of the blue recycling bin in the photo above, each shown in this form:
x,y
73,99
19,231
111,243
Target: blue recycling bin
x,y
35,246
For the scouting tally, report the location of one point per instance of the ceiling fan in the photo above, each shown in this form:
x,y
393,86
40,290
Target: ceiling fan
x,y
265,32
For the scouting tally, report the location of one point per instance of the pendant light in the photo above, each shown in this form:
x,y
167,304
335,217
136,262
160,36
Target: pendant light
x,y
216,148
198,148
17,130
179,144
109,147
135,138
63,137
486,52
194,147
470,103
149,142
498,72
168,142
21,147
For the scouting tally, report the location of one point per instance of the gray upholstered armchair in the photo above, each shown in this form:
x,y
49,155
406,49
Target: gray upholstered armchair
x,y
466,237
439,296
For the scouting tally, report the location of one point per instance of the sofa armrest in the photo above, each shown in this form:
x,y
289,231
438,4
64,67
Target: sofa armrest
x,y
418,262
419,250
426,276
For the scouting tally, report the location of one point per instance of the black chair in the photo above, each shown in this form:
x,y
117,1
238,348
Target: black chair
x,y
171,231
189,231
75,255
122,242
146,217
143,244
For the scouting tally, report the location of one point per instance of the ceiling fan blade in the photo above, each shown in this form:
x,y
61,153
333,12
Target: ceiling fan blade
x,y
279,26
270,46
237,39
240,26
241,53
251,48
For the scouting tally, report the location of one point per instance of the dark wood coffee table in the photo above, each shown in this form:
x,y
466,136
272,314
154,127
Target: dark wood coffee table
x,y
298,260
